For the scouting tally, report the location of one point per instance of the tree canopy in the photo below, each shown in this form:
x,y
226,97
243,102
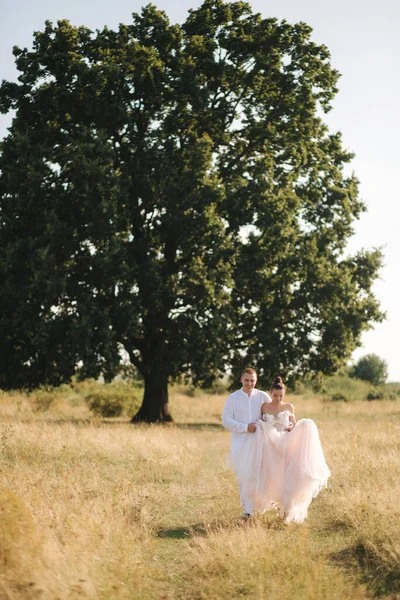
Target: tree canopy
x,y
370,368
172,190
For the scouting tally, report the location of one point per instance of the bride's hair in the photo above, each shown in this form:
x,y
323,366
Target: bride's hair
x,y
278,384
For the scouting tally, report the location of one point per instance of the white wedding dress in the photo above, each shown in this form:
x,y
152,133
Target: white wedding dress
x,y
280,469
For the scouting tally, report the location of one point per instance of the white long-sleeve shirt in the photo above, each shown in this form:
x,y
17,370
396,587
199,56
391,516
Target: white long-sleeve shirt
x,y
240,410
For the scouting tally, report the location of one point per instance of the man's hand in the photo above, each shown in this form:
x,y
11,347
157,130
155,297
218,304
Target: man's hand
x,y
251,427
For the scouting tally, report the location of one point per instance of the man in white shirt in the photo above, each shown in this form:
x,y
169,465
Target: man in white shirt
x,y
240,415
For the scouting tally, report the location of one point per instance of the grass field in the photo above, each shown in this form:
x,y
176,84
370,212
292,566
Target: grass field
x,y
98,508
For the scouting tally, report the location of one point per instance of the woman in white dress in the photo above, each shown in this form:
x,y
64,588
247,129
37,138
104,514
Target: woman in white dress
x,y
282,466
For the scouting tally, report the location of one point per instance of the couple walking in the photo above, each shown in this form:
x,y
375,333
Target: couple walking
x,y
278,462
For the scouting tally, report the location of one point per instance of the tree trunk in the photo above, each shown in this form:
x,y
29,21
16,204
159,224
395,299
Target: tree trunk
x,y
155,406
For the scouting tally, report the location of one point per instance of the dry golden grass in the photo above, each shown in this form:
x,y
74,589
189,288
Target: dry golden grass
x,y
96,508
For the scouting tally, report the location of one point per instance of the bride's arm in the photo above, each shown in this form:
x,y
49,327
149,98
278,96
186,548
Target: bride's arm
x,y
292,418
264,409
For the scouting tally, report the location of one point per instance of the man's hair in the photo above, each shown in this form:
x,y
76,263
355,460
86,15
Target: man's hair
x,y
249,371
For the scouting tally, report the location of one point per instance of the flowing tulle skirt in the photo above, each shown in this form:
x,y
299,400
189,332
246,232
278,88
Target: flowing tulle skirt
x,y
282,470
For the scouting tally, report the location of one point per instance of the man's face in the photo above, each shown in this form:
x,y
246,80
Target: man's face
x,y
248,382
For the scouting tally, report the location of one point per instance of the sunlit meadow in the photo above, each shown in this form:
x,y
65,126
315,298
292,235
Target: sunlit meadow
x,y
94,507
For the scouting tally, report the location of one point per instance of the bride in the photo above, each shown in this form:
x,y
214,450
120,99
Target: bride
x,y
282,466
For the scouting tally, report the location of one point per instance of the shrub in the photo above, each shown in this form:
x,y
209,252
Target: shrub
x,y
340,397
112,400
376,395
42,399
191,391
383,394
218,387
343,388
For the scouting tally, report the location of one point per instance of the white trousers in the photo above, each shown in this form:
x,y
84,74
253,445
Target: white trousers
x,y
245,502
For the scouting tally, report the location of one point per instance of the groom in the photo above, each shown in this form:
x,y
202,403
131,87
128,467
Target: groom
x,y
240,415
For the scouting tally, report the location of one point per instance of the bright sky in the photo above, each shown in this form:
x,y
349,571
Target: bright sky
x,y
364,41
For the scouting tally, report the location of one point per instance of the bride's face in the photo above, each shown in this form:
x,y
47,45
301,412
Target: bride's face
x,y
277,395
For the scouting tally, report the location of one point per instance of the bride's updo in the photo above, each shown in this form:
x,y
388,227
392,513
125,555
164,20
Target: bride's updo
x,y
278,384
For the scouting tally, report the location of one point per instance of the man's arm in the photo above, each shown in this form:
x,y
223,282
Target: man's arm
x,y
267,398
229,422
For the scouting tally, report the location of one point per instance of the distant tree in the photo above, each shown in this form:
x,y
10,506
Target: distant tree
x,y
370,368
172,190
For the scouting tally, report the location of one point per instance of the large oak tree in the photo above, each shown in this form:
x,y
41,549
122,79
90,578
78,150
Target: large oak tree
x,y
172,190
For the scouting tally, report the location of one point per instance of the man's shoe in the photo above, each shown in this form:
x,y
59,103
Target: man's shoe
x,y
247,516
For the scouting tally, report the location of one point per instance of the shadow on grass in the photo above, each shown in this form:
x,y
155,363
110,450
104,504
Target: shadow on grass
x,y
200,426
272,522
113,422
381,574
78,421
182,533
